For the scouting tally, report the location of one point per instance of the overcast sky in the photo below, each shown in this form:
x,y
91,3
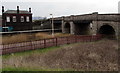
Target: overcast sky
x,y
62,7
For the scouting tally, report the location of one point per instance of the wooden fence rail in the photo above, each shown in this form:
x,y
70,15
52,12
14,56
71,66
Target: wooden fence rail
x,y
45,43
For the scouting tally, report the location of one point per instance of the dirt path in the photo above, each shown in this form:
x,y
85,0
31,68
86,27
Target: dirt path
x,y
96,56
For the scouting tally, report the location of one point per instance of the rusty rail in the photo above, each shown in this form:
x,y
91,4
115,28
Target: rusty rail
x,y
45,43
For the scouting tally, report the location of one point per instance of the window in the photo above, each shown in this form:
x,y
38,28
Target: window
x,y
7,19
14,18
22,18
27,19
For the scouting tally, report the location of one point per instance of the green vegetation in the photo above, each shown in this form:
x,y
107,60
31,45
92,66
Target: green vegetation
x,y
29,69
35,53
30,52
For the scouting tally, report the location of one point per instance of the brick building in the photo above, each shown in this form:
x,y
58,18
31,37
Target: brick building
x,y
16,20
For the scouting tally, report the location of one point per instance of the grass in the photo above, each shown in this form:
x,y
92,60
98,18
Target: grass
x,y
40,51
29,69
27,53
17,38
30,52
37,51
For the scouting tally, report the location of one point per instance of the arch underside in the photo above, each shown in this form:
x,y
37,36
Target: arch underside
x,y
67,28
107,31
78,27
82,27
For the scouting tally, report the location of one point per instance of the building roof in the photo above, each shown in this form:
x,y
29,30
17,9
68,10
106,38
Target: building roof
x,y
20,11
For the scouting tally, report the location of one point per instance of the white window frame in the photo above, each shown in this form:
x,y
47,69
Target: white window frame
x,y
7,18
14,18
22,18
27,19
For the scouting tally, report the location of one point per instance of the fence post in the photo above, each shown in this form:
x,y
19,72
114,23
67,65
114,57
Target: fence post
x,y
31,46
44,43
75,39
92,38
3,49
67,40
56,41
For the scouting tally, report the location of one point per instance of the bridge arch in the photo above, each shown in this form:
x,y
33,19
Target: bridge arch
x,y
107,31
82,27
67,27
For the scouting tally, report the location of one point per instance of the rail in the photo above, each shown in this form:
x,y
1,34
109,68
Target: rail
x,y
45,43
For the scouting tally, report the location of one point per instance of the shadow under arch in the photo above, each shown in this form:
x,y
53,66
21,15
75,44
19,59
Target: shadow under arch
x,y
107,31
67,27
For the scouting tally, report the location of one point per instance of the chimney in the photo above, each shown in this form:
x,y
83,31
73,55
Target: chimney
x,y
29,9
2,9
17,9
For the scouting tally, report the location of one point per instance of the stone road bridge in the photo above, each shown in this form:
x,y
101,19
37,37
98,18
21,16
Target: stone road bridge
x,y
90,24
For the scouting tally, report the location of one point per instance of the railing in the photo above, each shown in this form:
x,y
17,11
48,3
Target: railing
x,y
45,43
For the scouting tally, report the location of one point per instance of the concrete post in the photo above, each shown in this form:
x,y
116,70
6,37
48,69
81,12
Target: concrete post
x,y
117,34
63,24
72,28
94,27
95,22
72,25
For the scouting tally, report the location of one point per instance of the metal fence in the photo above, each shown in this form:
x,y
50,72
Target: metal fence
x,y
45,43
